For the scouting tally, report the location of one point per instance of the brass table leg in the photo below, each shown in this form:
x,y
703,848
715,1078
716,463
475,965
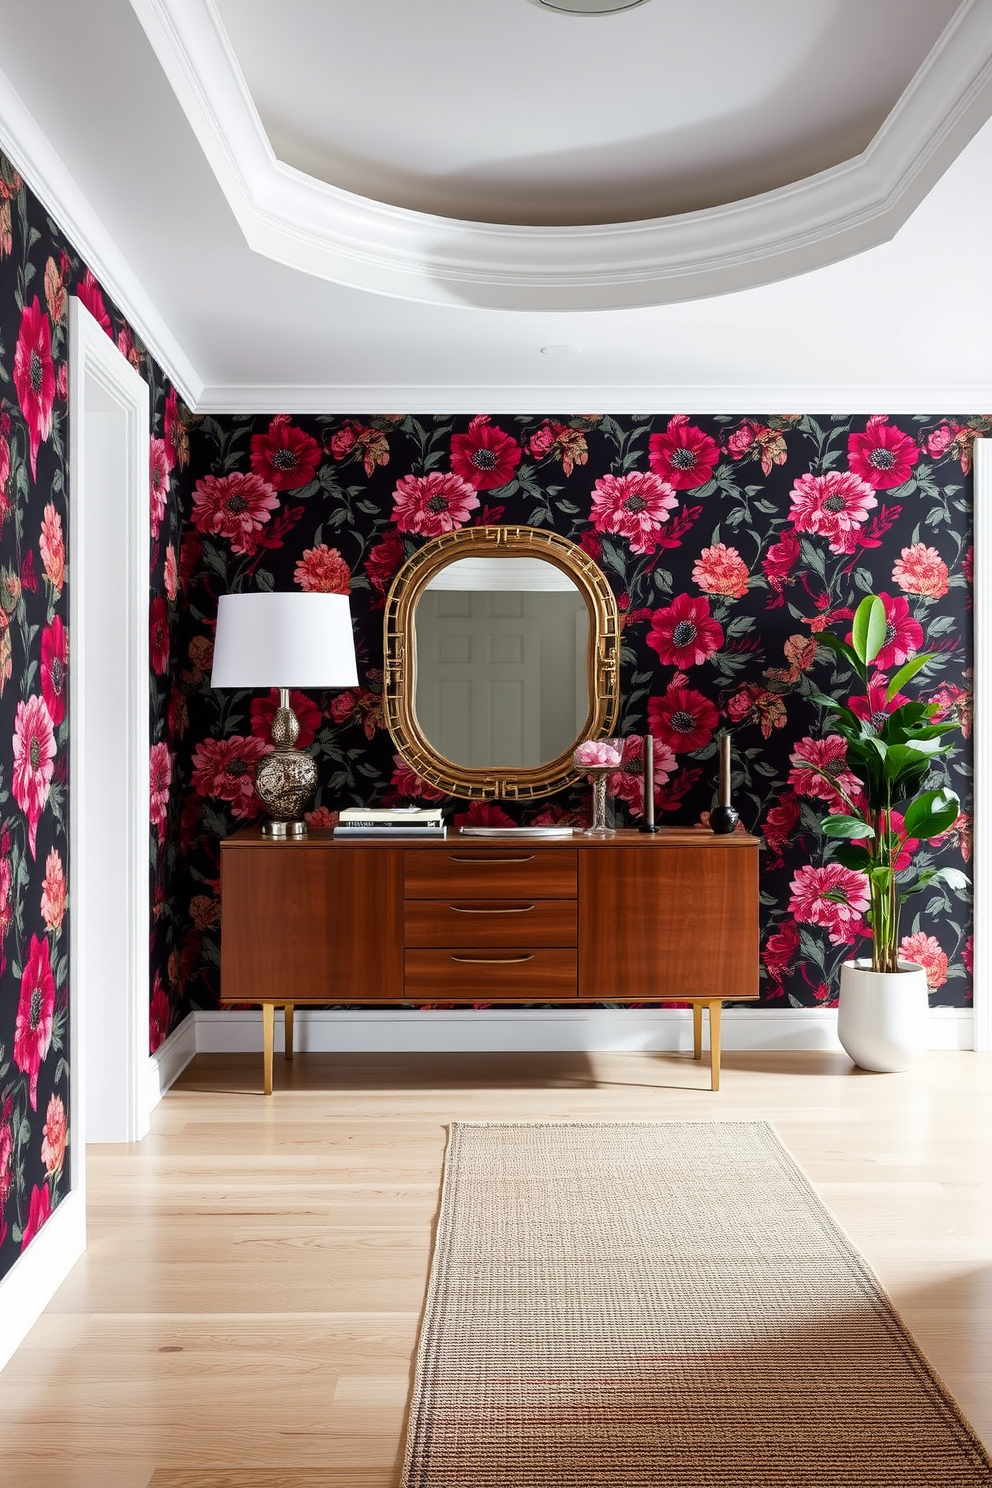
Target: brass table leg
x,y
268,1044
715,1010
697,1030
287,1018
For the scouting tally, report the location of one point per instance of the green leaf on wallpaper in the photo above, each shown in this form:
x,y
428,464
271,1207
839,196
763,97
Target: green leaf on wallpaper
x,y
568,507
215,559
864,580
264,580
369,508
215,822
736,517
941,625
739,626
537,518
710,487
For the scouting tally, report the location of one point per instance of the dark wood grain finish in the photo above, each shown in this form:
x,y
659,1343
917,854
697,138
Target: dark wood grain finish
x,y
522,871
310,926
490,922
507,974
677,923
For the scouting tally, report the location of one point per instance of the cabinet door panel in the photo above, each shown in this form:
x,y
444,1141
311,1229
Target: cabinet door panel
x,y
311,925
668,923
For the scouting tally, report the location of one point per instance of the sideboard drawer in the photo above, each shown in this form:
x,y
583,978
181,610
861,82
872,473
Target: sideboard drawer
x,y
490,922
503,873
477,975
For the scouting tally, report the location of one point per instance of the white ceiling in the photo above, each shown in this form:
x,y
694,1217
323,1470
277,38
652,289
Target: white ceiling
x,y
89,115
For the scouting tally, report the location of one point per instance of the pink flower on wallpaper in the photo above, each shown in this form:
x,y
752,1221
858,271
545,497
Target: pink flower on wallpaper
x,y
39,1210
160,771
903,634
176,438
158,1016
359,705
780,823
682,718
968,564
925,950
158,462
34,761
876,707
484,814
627,783
171,574
308,715
780,948
54,668
432,504
810,757
225,768
52,548
833,897
34,377
407,782
88,290
235,507
779,561
285,458
6,1160
634,506
721,570
322,570
834,506
683,456
35,1015
959,835
55,1134
684,634
562,442
883,455
383,561
952,700
967,956
158,624
939,441
53,892
486,457
921,570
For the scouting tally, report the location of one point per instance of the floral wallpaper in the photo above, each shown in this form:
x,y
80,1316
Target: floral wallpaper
x,y
732,543
39,270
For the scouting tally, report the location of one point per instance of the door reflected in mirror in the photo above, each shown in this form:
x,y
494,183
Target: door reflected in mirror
x,y
501,648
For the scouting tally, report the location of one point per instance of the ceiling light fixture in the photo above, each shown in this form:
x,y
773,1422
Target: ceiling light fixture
x,y
562,350
588,7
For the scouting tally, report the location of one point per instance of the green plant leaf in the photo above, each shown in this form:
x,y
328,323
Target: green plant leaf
x,y
868,629
853,855
845,826
932,813
841,648
907,673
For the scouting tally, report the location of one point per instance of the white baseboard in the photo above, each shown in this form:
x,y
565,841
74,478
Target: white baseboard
x,y
37,1274
170,1059
516,1030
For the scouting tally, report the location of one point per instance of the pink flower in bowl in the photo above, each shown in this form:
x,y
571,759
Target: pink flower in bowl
x,y
599,754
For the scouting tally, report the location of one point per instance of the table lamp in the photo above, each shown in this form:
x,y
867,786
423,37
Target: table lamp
x,y
284,640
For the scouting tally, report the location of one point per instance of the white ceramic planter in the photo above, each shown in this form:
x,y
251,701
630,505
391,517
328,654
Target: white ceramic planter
x,y
883,1015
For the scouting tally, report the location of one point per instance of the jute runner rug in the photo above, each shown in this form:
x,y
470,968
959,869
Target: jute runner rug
x,y
662,1304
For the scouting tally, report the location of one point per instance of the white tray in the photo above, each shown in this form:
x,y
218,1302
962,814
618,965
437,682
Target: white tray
x,y
516,831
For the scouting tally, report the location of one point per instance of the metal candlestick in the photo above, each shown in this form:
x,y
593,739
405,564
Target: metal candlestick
x,y
647,825
723,817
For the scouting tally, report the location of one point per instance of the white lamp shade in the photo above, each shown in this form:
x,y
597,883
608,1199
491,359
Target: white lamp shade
x,y
284,640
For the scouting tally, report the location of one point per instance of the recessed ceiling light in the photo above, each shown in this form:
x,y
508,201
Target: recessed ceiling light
x,y
588,7
561,350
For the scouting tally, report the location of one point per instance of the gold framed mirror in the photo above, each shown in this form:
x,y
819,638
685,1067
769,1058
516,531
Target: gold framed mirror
x,y
502,655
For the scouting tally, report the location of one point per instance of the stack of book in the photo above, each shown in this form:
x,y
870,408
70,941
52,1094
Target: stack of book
x,y
401,821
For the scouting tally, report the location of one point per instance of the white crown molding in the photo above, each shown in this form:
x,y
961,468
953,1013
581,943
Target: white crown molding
x,y
42,168
307,224
729,399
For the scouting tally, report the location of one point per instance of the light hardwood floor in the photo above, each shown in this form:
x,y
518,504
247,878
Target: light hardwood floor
x,y
247,1311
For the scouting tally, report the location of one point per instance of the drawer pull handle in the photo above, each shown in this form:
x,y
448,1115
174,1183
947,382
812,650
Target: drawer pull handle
x,y
484,862
493,960
514,909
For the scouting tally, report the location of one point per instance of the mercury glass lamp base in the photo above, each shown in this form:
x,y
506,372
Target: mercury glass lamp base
x,y
284,829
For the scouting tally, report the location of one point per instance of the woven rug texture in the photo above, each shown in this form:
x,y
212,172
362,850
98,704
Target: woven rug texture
x,y
662,1304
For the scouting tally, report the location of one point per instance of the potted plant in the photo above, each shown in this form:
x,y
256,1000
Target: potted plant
x,y
882,1018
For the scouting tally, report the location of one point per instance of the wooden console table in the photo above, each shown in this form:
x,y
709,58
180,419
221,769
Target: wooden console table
x,y
630,918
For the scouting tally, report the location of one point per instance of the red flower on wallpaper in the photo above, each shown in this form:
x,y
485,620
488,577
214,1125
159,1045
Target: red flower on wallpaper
x,y
34,377
627,783
778,563
363,442
35,1015
684,633
55,1135
780,823
52,548
285,458
925,950
359,705
54,668
88,290
39,1210
721,570
909,847
158,1016
832,896
53,892
682,718
780,947
158,461
486,456
6,1160
810,757
225,768
903,634
633,506
383,561
484,814
170,576
921,570
560,441
308,715
835,506
322,570
158,622
235,507
432,504
876,706
684,456
407,782
883,455
176,437
34,756
160,772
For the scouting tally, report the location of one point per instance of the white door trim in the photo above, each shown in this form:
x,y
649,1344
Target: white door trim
x,y
982,681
